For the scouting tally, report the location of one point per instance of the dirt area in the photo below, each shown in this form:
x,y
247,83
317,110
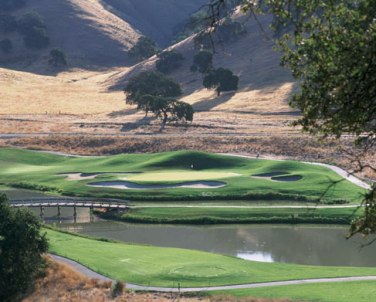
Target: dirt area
x,y
62,284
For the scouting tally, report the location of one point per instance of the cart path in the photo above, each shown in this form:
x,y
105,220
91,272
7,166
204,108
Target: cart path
x,y
341,172
91,274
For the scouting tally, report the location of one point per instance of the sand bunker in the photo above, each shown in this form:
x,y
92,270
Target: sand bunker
x,y
288,178
127,185
74,176
78,176
271,174
278,176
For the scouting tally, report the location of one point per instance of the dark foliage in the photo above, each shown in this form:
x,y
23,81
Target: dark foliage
x,y
203,61
57,58
21,249
144,49
169,61
221,79
36,38
29,21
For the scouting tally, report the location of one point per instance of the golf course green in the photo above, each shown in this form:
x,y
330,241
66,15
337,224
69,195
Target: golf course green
x,y
156,266
178,176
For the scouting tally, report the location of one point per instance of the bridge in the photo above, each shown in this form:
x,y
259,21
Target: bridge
x,y
57,202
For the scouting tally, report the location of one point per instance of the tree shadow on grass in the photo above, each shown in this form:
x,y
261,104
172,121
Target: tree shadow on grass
x,y
210,103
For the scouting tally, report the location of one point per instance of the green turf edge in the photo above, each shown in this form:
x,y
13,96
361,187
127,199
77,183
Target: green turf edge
x,y
148,265
349,291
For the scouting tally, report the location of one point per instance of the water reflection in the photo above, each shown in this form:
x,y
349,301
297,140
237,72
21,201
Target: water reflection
x,y
316,245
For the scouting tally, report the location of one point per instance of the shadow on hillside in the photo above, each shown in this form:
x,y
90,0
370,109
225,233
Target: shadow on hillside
x,y
145,121
208,104
123,112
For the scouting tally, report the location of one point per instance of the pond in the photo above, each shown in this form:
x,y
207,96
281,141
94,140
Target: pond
x,y
302,244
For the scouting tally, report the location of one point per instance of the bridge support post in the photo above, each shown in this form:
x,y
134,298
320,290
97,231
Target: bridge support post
x,y
91,214
74,214
41,212
58,214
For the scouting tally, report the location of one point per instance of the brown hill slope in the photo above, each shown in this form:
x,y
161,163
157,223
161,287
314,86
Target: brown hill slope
x,y
87,32
264,86
156,19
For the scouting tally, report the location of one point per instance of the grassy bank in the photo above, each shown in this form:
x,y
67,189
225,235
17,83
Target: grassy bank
x,y
149,265
42,171
218,215
363,291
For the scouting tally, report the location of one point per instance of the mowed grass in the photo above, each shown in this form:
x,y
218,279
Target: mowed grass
x,y
166,267
359,291
29,169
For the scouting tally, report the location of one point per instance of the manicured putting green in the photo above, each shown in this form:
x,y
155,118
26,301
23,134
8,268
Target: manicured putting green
x,y
157,266
181,175
163,174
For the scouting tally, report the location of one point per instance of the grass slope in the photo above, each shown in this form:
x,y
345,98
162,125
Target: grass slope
x,y
166,266
213,214
28,169
332,292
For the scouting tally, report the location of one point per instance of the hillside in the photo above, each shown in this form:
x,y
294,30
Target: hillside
x,y
95,33
155,19
87,32
264,86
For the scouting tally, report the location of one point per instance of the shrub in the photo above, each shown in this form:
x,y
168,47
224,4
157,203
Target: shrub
x,y
118,289
36,38
203,61
28,22
169,61
57,58
222,80
6,45
143,49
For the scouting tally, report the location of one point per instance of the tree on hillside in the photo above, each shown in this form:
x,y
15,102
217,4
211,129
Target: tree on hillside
x,y
21,249
203,61
29,21
330,47
143,49
168,109
221,79
33,28
57,58
169,61
153,91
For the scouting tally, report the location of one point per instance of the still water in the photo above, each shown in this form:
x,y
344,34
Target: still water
x,y
303,244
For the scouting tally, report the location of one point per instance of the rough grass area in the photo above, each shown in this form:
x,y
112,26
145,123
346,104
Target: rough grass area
x,y
157,266
332,292
41,171
216,215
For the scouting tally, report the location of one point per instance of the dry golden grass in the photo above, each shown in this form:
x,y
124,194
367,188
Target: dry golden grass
x,y
64,284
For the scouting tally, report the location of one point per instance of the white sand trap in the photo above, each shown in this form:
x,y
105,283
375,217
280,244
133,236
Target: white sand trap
x,y
78,176
127,185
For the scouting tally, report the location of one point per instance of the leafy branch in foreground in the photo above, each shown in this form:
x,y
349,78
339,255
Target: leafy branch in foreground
x,y
330,48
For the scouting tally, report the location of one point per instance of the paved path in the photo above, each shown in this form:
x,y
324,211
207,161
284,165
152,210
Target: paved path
x,y
91,274
338,170
351,206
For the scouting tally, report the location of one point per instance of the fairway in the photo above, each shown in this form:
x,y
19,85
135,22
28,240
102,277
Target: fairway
x,y
332,292
175,176
155,266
